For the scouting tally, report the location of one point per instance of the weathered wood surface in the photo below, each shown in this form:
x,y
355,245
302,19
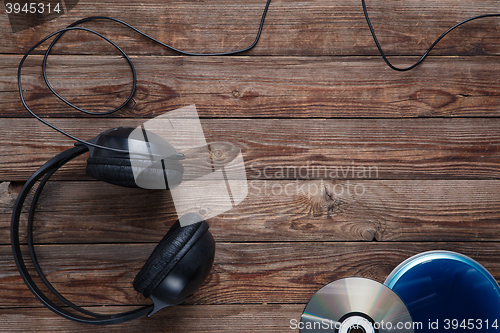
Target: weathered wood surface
x,y
199,318
313,27
274,211
283,273
310,104
319,148
248,87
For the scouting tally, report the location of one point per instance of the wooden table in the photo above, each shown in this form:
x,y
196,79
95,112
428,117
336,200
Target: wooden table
x,y
416,154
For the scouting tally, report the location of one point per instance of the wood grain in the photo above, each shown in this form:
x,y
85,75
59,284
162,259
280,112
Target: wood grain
x,y
274,211
313,27
256,87
310,104
244,273
391,148
260,318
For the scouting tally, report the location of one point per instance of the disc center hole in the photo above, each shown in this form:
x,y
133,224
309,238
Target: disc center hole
x,y
356,329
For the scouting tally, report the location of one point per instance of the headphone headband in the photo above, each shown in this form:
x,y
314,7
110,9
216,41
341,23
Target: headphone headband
x,y
46,171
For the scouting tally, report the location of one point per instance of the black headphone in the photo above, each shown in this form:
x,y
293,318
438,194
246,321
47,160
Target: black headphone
x,y
181,261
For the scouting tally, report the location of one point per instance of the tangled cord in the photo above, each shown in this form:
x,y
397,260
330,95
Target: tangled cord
x,y
74,26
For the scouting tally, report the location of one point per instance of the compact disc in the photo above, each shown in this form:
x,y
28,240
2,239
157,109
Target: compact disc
x,y
355,305
447,291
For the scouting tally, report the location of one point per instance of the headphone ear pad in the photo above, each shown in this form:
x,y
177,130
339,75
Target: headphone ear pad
x,y
119,171
167,254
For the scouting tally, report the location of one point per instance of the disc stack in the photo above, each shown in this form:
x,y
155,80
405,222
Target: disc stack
x,y
435,291
447,292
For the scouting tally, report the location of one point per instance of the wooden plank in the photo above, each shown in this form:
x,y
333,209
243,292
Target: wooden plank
x,y
94,212
189,318
282,273
313,27
395,148
432,183
292,87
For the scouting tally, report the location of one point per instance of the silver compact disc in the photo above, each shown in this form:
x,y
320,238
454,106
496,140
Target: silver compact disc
x,y
356,305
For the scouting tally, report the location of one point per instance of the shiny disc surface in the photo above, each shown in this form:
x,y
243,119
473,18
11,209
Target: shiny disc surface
x,y
356,305
447,292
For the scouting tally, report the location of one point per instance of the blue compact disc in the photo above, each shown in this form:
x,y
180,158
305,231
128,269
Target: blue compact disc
x,y
447,292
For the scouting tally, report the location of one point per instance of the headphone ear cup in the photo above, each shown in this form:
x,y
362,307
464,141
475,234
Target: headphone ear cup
x,y
119,171
167,254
